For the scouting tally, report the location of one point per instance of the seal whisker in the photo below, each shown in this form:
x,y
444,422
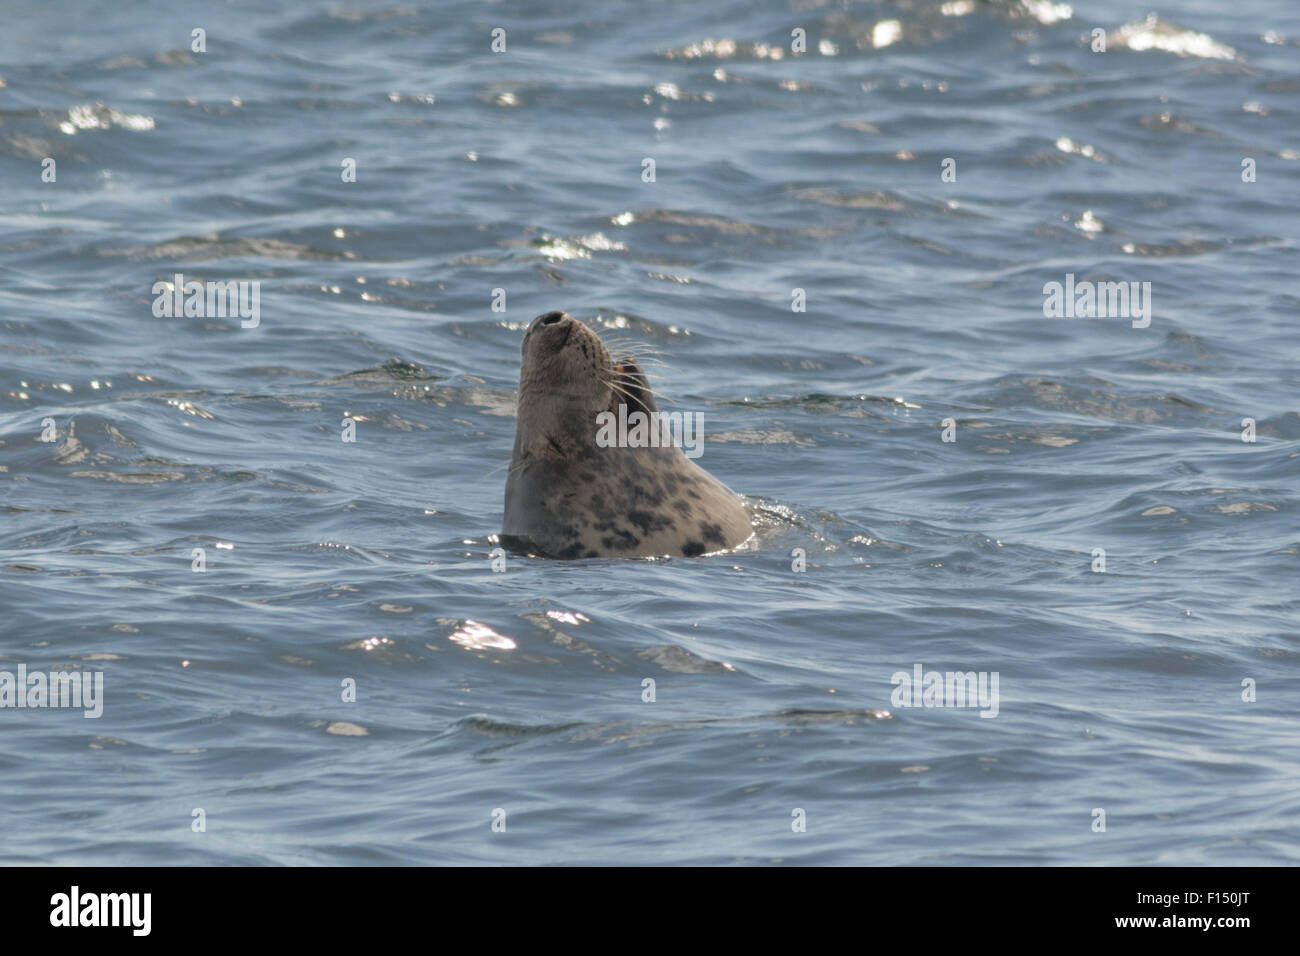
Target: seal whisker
x,y
640,357
651,357
620,386
622,343
634,348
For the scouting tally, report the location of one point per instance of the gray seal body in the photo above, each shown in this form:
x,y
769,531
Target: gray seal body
x,y
569,495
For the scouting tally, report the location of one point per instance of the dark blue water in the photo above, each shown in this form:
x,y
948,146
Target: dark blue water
x,y
328,561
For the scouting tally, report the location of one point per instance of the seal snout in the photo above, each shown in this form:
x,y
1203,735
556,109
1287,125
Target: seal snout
x,y
552,329
548,318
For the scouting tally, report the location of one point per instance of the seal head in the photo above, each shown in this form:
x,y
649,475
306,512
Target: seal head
x,y
570,495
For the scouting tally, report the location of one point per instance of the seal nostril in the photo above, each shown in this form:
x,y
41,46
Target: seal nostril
x,y
550,318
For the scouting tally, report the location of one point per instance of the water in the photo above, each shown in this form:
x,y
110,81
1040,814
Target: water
x,y
522,691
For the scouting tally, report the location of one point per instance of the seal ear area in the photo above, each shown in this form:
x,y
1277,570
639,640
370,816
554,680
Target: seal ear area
x,y
631,387
556,448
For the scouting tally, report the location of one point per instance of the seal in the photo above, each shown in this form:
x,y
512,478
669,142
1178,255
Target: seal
x,y
571,493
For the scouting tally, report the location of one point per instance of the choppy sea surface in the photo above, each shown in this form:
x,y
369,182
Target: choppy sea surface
x,y
1162,690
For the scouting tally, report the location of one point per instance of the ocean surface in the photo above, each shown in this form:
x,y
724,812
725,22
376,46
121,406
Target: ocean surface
x,y
504,716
